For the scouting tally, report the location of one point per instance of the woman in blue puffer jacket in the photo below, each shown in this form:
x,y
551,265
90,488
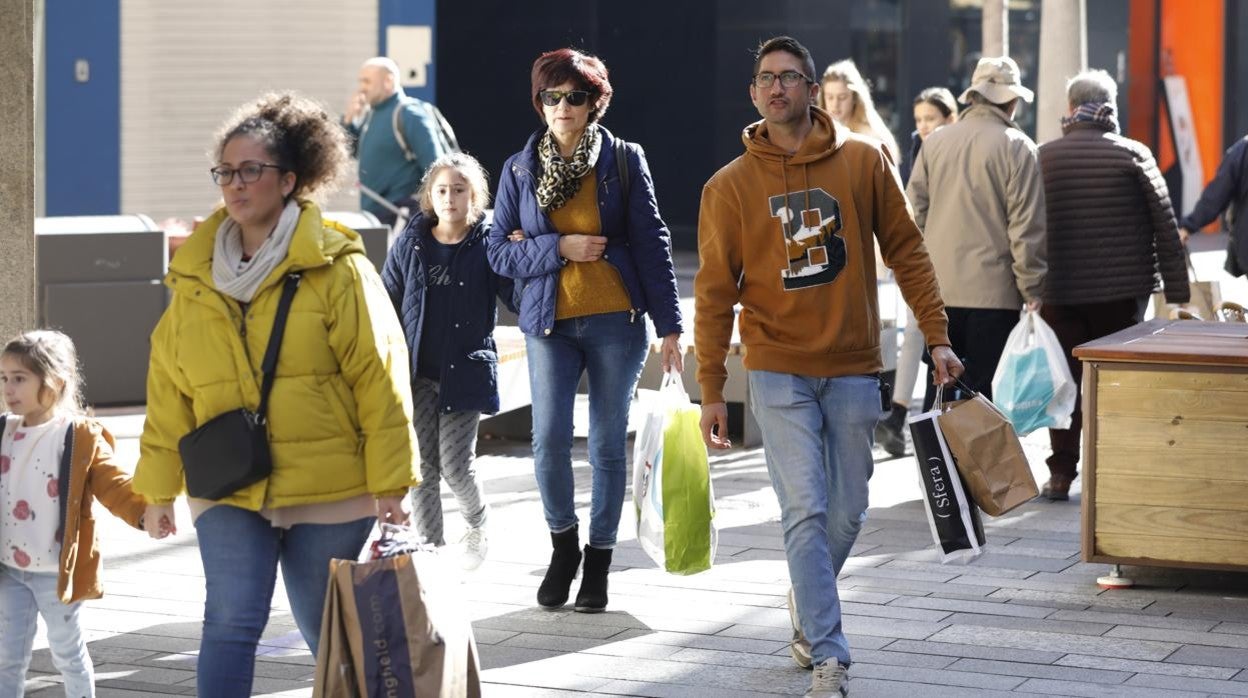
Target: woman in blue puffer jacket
x,y
580,232
443,290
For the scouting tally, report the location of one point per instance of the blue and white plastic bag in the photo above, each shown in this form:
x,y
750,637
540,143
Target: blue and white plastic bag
x,y
1033,387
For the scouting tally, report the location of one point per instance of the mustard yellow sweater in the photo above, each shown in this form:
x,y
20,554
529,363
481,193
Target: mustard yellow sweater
x,y
586,288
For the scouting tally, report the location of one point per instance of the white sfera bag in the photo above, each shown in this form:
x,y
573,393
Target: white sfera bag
x,y
1033,387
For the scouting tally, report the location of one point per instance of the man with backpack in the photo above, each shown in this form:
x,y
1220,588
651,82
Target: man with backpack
x,y
396,138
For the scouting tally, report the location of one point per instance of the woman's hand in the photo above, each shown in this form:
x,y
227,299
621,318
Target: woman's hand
x,y
673,353
516,236
390,510
159,520
582,248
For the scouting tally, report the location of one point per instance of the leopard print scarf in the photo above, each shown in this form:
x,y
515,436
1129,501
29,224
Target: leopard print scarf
x,y
561,179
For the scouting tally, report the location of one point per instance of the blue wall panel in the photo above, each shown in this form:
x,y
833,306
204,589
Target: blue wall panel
x,y
410,12
82,120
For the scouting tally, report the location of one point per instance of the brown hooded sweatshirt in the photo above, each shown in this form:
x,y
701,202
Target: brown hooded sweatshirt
x,y
789,237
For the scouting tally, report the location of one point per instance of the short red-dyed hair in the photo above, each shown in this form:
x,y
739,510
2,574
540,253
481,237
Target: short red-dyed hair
x,y
587,72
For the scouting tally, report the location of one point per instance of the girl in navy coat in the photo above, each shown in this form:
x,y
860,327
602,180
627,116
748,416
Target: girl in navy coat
x,y
443,289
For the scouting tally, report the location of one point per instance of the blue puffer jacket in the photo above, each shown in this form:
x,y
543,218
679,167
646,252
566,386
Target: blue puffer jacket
x,y
638,243
470,377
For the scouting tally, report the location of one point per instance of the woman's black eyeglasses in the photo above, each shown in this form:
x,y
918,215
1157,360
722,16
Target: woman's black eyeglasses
x,y
250,172
575,98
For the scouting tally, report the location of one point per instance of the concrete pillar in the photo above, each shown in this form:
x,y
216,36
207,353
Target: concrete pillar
x,y
1063,53
17,168
996,28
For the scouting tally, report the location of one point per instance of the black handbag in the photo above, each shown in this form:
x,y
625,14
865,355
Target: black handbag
x,y
231,451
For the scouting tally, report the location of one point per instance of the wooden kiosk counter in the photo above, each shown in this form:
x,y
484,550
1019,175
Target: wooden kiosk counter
x,y
1165,441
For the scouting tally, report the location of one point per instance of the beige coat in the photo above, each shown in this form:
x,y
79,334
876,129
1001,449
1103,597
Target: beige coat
x,y
979,199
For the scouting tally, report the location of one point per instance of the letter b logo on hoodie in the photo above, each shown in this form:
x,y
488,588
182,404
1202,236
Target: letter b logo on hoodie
x,y
809,221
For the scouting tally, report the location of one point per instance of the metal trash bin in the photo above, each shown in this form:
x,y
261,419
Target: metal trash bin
x,y
376,235
100,282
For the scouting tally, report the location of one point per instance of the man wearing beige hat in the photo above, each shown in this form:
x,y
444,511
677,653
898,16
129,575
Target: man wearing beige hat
x,y
979,199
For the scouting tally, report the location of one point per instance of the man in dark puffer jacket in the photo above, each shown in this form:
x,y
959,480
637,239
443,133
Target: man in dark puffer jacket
x,y
1110,229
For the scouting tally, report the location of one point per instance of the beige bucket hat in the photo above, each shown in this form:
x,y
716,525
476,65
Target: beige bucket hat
x,y
998,79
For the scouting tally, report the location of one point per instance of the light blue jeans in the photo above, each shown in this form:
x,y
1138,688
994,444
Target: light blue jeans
x,y
23,595
241,551
611,348
817,437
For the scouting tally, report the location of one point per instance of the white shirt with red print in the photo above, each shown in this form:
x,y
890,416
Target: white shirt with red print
x,y
30,462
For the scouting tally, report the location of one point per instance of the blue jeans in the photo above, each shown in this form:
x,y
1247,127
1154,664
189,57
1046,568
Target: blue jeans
x,y
23,595
817,437
241,550
611,347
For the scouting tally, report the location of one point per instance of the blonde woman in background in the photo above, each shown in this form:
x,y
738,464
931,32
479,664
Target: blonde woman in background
x,y
847,97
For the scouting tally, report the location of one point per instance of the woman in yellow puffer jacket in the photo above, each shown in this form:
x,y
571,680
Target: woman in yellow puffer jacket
x,y
339,415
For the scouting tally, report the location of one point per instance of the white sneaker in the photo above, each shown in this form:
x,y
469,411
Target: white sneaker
x,y
829,680
475,545
798,646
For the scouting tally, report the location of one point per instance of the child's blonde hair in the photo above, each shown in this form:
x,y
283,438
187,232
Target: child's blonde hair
x,y
51,356
478,185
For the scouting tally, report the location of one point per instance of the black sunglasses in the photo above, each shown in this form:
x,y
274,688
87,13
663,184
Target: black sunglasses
x,y
576,98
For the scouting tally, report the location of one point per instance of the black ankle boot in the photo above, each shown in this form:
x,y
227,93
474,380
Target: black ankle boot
x,y
592,597
565,560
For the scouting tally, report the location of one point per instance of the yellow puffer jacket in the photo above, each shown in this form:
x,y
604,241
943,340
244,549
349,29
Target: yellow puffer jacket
x,y
339,416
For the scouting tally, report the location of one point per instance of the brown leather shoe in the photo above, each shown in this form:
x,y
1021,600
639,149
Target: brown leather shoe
x,y
1057,489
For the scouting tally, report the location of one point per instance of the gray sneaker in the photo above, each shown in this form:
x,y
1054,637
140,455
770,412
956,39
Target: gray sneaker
x,y
829,680
798,646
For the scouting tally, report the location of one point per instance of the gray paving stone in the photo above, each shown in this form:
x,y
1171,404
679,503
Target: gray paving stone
x,y
1234,688
525,625
913,660
141,688
1058,642
1015,560
649,690
890,627
1186,637
903,612
905,585
955,650
758,632
877,688
1210,656
1044,625
709,642
721,658
1234,628
1136,666
926,566
1072,688
939,677
987,607
1070,600
489,636
499,690
1040,671
1141,620
515,670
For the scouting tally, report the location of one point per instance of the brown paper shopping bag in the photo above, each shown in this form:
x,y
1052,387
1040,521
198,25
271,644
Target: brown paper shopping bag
x,y
384,634
987,453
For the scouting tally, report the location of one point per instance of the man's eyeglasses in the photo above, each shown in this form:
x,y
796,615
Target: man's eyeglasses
x,y
789,78
250,172
576,98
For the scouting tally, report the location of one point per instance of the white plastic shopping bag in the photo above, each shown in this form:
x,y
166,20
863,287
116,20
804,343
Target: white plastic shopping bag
x,y
1033,386
672,483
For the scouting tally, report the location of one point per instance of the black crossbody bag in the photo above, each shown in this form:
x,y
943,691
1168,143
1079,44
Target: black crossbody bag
x,y
231,451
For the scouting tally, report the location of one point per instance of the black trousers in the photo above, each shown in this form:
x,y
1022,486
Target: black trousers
x,y
1074,325
977,336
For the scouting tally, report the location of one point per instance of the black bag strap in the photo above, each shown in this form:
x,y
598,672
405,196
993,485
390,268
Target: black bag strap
x,y
621,162
269,366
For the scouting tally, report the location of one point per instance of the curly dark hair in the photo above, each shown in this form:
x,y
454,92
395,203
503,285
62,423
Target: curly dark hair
x,y
299,134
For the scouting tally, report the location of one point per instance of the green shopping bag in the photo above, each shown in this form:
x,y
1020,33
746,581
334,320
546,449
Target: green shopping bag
x,y
672,482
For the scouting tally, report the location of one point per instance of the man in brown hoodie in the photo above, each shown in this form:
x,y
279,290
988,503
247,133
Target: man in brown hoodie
x,y
786,231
